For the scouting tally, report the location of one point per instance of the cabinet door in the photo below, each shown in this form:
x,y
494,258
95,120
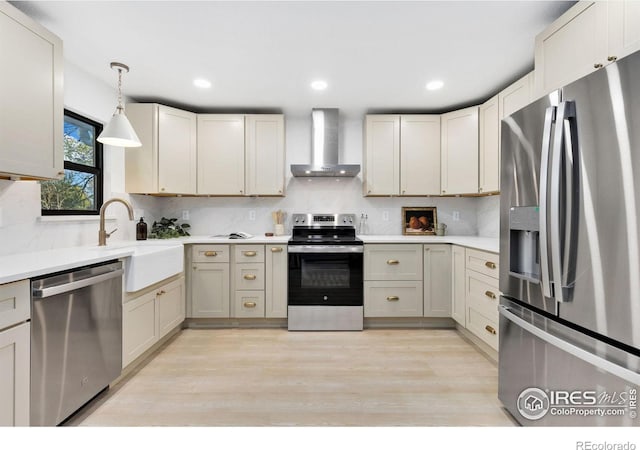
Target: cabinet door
x,y
624,28
139,327
571,47
420,155
15,375
276,281
393,262
249,277
31,93
220,154
176,151
489,151
459,160
265,154
248,304
171,306
382,155
210,290
458,291
393,298
516,96
437,280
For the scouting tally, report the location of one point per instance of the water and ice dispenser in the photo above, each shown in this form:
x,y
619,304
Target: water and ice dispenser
x,y
524,257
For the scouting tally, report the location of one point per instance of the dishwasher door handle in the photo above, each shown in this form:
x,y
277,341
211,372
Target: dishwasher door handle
x,y
74,285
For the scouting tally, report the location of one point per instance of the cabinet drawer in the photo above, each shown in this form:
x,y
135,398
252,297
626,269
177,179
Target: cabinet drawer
x,y
483,294
249,253
249,304
15,303
483,327
210,253
249,276
392,298
395,262
483,262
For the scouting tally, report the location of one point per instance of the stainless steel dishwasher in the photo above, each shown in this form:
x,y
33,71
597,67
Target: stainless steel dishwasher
x,y
76,339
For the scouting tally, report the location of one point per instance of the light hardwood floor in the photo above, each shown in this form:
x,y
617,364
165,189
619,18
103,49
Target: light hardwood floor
x,y
267,377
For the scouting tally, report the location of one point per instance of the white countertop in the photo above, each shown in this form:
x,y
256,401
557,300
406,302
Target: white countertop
x,y
21,266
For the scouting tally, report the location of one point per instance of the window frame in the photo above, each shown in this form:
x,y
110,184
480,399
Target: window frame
x,y
97,171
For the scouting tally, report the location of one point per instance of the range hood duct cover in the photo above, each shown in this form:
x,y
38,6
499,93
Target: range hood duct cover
x,y
324,148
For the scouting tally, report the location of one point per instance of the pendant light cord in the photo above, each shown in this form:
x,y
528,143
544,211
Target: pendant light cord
x,y
120,105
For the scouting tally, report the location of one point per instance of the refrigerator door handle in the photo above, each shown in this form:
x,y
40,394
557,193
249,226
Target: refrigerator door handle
x,y
572,204
549,119
601,363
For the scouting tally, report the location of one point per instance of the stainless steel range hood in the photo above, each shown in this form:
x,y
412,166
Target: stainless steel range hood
x,y
324,148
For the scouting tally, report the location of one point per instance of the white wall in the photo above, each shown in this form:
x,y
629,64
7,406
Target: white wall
x,y
222,215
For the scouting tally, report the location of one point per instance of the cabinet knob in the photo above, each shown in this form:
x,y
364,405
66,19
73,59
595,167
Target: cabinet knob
x,y
393,262
393,298
490,329
479,189
279,191
249,253
162,189
241,191
490,294
403,191
597,66
276,249
612,58
195,267
369,191
250,304
210,253
61,172
250,277
444,192
162,292
490,265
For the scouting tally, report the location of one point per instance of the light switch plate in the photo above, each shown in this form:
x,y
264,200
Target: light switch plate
x,y
185,214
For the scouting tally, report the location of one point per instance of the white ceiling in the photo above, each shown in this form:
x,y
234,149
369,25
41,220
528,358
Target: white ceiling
x,y
376,56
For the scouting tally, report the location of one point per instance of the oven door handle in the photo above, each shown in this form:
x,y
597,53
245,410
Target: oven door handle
x,y
326,249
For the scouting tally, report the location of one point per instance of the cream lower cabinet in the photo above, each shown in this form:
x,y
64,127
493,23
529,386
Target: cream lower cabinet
x,y
166,161
276,281
482,295
15,363
148,316
459,152
248,281
393,280
458,290
437,280
31,98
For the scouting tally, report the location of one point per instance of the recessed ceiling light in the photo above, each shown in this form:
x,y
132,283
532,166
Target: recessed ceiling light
x,y
202,83
319,85
435,85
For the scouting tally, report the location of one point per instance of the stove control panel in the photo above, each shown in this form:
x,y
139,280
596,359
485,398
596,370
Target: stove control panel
x,y
324,220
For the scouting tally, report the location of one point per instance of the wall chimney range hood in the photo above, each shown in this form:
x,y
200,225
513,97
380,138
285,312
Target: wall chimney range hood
x,y
324,148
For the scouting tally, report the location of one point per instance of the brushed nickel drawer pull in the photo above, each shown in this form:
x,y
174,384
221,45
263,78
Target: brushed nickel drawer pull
x,y
393,298
210,253
251,253
276,249
249,277
393,262
490,265
490,294
250,304
490,329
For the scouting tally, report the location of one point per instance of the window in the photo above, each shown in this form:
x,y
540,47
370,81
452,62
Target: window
x,y
80,191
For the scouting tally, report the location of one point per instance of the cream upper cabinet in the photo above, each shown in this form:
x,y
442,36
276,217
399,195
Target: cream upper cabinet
x,y
264,152
516,96
459,147
31,93
166,161
419,155
382,155
489,146
437,280
571,47
624,28
221,154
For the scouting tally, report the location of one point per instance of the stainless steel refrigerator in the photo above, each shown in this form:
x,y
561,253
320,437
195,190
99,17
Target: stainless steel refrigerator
x,y
569,350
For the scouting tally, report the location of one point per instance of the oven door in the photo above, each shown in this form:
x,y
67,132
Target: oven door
x,y
325,275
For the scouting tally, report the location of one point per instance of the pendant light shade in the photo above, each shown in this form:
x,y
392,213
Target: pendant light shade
x,y
119,131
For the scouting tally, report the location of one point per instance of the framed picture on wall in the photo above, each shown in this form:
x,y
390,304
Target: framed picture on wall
x,y
419,220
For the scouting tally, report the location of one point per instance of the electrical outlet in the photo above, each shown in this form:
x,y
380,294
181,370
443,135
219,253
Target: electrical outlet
x,y
252,215
456,216
385,216
185,214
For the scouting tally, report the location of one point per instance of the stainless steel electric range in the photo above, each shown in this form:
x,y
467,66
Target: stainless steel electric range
x,y
325,273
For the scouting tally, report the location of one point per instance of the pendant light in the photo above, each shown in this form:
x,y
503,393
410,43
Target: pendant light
x,y
119,131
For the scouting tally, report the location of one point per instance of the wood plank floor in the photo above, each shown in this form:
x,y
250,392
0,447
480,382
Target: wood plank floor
x,y
271,377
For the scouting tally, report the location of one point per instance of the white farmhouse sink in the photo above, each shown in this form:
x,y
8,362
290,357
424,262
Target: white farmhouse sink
x,y
152,263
